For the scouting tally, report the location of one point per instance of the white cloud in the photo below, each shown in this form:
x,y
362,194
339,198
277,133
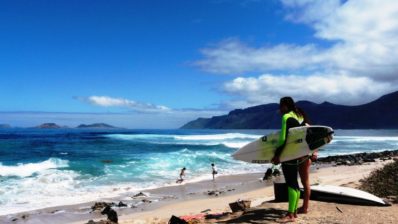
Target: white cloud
x,y
309,11
232,56
360,63
269,88
106,101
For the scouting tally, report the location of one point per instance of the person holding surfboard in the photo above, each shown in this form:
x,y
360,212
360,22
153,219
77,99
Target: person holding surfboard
x,y
291,117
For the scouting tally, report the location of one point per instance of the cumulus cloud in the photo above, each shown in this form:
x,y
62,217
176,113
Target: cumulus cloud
x,y
359,62
232,56
106,101
317,88
185,114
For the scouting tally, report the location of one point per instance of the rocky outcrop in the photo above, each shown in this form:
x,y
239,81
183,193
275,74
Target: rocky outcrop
x,y
48,126
358,158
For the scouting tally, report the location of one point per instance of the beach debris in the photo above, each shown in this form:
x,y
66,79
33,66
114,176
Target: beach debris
x,y
176,220
339,209
146,201
215,193
100,222
193,218
271,172
267,174
240,205
218,215
207,210
121,204
110,213
101,205
276,172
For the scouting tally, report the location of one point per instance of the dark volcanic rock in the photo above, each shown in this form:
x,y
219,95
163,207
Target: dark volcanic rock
x,y
140,195
378,114
359,158
101,205
121,204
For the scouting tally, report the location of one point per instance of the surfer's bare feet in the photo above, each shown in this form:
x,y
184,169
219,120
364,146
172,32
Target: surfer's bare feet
x,y
302,210
288,218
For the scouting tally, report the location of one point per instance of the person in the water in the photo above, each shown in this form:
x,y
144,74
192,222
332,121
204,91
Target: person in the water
x,y
182,175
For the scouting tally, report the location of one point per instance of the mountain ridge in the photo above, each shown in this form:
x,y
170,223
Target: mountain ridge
x,y
381,113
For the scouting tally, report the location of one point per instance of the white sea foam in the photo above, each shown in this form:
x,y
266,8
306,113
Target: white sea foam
x,y
54,187
236,145
217,136
349,139
185,137
28,169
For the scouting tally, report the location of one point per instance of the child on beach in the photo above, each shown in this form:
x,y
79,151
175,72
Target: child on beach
x,y
182,174
214,170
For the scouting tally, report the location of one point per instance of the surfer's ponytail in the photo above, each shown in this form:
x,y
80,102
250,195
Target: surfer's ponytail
x,y
291,106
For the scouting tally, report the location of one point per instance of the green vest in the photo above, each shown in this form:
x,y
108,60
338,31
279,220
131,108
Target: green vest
x,y
286,116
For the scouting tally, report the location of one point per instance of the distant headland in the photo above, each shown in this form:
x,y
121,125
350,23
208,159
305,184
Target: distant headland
x,y
96,125
5,126
379,114
81,126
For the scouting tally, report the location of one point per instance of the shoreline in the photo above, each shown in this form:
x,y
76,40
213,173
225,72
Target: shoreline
x,y
192,198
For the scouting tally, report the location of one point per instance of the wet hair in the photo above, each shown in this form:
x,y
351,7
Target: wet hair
x,y
291,106
184,168
212,164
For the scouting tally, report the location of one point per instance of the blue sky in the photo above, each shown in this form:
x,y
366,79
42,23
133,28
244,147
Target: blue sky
x,y
159,64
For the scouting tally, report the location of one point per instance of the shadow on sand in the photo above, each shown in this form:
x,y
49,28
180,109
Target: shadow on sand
x,y
258,216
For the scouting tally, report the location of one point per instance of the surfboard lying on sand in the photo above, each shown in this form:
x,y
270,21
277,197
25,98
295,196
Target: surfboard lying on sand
x,y
301,141
345,195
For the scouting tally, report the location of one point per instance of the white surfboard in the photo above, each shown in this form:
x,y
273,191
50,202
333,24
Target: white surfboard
x,y
301,141
344,194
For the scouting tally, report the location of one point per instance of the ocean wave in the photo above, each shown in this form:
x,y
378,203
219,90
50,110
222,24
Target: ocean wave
x,y
365,138
217,136
235,145
207,137
28,169
230,140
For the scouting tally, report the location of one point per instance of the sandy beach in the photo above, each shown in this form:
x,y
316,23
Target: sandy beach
x,y
208,197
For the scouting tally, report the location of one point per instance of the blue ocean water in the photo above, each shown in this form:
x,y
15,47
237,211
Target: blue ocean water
x,y
41,168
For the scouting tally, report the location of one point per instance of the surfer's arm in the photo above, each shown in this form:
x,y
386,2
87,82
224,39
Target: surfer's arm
x,y
287,122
